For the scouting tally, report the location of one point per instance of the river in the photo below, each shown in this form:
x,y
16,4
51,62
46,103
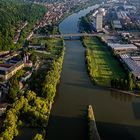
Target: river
x,y
117,115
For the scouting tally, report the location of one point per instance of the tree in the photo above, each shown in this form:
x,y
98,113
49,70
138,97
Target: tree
x,y
33,58
38,137
130,81
31,95
14,89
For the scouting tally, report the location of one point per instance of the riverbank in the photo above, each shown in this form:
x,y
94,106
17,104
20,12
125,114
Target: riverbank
x,y
125,92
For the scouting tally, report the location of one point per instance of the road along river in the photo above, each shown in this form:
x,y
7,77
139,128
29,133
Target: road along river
x,y
117,115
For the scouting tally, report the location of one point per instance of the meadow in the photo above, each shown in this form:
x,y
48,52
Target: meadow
x,y
102,65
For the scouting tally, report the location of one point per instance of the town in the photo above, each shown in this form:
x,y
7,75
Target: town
x,y
22,63
78,82
120,29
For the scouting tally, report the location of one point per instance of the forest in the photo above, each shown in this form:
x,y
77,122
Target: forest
x,y
12,14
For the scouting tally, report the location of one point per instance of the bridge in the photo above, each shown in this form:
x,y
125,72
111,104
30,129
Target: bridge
x,y
70,35
75,35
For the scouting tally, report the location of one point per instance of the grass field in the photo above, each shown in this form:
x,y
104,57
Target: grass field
x,y
102,65
53,46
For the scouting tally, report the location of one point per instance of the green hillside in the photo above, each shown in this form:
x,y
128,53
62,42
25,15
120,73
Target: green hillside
x,y
12,13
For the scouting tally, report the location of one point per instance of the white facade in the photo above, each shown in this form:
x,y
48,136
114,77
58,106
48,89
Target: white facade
x,y
99,22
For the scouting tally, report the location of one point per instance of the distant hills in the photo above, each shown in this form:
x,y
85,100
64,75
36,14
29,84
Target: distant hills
x,y
12,14
49,1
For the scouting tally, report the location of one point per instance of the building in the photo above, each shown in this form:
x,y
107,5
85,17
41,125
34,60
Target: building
x,y
8,70
3,107
26,76
4,89
122,48
99,22
117,24
131,65
36,46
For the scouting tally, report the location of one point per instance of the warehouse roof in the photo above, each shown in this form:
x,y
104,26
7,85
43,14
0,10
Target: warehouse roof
x,y
117,46
132,65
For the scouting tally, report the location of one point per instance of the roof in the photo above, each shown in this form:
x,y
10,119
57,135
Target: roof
x,y
117,46
5,65
132,65
117,24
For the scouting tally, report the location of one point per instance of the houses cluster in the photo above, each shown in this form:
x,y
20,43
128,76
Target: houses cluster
x,y
18,31
131,38
55,12
124,16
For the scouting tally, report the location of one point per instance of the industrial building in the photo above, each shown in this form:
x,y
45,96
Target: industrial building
x,y
122,48
117,24
131,65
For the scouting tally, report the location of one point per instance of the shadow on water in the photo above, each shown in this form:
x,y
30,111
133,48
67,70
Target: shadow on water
x,y
136,109
79,84
68,131
110,131
107,131
27,133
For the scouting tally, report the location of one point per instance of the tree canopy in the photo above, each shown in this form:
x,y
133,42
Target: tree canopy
x,y
12,14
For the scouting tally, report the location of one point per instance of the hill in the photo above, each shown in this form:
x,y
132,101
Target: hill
x,y
12,14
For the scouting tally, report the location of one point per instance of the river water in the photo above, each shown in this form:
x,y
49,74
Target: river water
x,y
117,115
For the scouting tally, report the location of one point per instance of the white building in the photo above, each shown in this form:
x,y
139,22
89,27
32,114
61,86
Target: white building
x,y
99,22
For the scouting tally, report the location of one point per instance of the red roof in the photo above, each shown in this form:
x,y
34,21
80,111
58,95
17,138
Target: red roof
x,y
5,65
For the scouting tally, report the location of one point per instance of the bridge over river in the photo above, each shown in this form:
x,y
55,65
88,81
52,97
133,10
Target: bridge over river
x,y
70,36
